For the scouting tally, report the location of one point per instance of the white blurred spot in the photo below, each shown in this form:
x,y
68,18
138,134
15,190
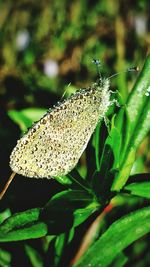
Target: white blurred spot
x,y
141,24
22,39
51,68
148,89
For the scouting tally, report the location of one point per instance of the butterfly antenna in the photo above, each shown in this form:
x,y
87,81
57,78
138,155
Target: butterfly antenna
x,y
7,185
98,64
131,69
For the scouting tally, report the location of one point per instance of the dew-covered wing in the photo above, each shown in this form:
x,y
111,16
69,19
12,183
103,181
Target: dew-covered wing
x,y
53,146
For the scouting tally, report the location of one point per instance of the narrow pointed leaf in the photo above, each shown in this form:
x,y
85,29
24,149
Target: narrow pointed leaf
x,y
119,235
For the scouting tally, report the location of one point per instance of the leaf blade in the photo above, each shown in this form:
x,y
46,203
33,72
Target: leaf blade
x,y
118,236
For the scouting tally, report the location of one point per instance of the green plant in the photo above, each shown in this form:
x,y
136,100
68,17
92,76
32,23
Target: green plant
x,y
109,187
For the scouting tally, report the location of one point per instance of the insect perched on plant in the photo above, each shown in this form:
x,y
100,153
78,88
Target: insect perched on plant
x,y
53,145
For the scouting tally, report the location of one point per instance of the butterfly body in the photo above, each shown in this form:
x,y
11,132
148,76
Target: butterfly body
x,y
53,146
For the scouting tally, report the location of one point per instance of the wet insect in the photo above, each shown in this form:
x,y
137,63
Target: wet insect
x,y
54,145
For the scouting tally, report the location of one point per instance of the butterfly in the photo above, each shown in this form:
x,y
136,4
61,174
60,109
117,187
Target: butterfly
x,y
53,146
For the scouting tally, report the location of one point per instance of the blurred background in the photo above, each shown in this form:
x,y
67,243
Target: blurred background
x,y
46,49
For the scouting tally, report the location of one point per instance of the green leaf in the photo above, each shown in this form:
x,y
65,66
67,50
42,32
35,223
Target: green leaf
x,y
34,256
120,260
60,244
20,219
5,258
141,189
63,180
124,172
73,206
137,98
139,165
96,143
143,126
114,141
35,230
119,235
121,122
4,215
25,117
137,125
23,225
109,162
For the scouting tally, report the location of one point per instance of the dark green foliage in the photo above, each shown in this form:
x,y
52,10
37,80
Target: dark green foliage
x,y
108,193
